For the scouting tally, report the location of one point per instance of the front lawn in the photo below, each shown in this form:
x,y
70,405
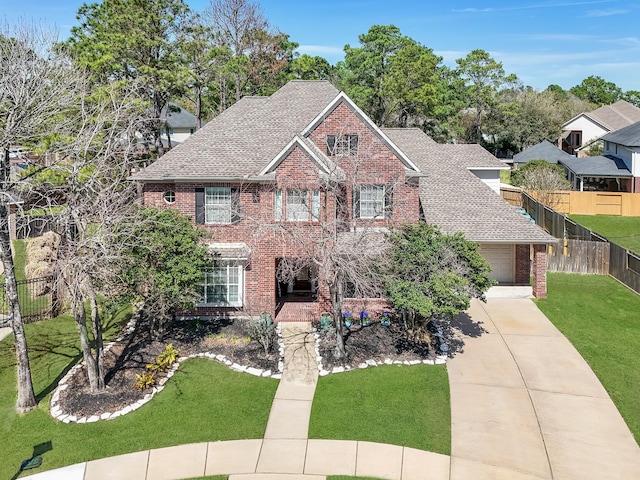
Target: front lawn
x,y
601,318
400,405
625,231
204,401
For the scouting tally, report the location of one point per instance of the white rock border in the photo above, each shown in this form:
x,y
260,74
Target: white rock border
x,y
440,360
57,413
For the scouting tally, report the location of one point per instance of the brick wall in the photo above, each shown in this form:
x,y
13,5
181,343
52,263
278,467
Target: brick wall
x,y
540,271
267,239
523,265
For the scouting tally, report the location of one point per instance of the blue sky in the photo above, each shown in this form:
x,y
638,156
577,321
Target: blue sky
x,y
542,41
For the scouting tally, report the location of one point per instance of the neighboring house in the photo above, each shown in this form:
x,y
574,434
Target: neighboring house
x,y
617,170
586,127
544,150
179,124
260,169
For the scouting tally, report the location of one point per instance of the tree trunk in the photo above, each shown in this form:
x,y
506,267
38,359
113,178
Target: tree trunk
x,y
337,294
96,324
26,396
80,315
157,107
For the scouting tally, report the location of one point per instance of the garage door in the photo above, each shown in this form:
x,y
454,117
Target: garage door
x,y
502,259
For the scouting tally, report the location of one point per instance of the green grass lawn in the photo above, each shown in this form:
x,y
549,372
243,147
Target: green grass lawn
x,y
400,405
505,176
601,318
204,401
625,231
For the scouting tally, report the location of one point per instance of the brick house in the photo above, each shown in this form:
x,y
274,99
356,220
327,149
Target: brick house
x,y
307,163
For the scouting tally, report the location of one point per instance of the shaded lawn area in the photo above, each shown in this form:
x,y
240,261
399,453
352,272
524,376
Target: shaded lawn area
x,y
204,401
625,231
401,405
601,318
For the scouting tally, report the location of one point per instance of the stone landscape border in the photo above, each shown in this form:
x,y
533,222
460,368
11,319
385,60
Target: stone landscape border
x,y
57,413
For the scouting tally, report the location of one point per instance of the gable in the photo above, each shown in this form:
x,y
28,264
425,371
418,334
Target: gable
x,y
342,114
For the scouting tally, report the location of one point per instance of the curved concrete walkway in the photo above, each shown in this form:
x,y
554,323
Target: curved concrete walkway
x,y
524,406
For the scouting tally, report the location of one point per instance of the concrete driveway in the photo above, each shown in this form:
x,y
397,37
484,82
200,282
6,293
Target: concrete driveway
x,y
525,404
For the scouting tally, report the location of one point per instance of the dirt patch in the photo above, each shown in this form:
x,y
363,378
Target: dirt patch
x,y
373,342
123,361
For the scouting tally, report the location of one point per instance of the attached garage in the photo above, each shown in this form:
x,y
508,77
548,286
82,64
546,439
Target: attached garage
x,y
501,257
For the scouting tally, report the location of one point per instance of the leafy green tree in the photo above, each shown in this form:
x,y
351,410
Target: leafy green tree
x,y
632,96
397,81
483,76
598,91
306,67
433,275
163,263
136,41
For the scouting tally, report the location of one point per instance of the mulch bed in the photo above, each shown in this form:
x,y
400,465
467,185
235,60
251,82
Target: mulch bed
x,y
123,361
227,337
372,342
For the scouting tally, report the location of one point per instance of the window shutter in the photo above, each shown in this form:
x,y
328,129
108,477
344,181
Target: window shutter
x,y
331,144
235,205
199,194
388,201
356,201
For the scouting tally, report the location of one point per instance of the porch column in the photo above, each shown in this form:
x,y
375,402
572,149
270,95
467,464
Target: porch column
x,y
540,271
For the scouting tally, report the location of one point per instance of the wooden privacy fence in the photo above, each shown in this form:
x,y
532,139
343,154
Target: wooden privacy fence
x,y
590,203
37,298
579,256
579,252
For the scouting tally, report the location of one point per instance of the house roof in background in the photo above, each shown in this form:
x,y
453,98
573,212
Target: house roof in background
x,y
455,200
544,150
628,136
178,117
600,166
612,117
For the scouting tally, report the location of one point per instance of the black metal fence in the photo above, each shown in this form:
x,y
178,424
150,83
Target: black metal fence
x,y
30,226
624,265
37,298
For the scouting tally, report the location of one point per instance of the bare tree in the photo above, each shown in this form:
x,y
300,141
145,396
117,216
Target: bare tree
x,y
38,86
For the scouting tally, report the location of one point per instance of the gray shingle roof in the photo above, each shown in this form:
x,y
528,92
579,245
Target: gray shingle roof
x,y
544,150
454,199
616,115
243,139
601,166
628,136
178,117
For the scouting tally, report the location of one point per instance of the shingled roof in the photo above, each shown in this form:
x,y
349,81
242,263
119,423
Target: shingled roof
x,y
544,150
455,200
600,166
614,116
628,136
243,139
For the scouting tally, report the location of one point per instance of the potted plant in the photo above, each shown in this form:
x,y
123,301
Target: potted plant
x,y
364,318
385,320
347,318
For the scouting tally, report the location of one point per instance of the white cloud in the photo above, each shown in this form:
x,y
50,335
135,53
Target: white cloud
x,y
605,13
556,4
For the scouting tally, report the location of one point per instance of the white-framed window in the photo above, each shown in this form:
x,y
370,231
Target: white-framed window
x,y
224,285
372,201
169,196
297,205
218,203
342,145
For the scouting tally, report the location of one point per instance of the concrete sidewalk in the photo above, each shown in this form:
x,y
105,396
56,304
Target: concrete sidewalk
x,y
525,404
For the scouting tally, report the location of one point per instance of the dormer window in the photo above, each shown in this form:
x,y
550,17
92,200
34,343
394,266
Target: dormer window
x,y
342,145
